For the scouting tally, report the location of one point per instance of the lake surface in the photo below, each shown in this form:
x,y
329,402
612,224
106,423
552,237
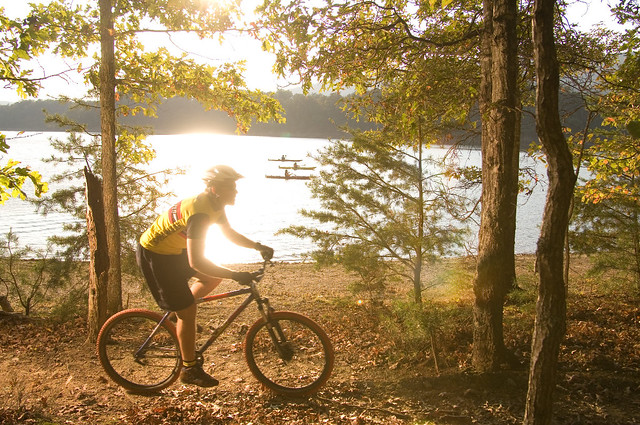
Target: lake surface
x,y
263,206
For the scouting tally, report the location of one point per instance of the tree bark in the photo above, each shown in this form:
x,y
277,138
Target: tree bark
x,y
108,127
98,258
550,320
495,273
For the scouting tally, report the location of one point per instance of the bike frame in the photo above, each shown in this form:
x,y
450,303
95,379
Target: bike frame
x,y
252,291
233,316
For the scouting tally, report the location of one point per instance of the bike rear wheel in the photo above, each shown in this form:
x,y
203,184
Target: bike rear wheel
x,y
130,362
290,354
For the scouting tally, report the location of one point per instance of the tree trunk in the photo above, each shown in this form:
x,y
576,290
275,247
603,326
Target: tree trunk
x,y
417,271
5,305
108,127
551,306
495,273
417,281
98,256
635,236
567,245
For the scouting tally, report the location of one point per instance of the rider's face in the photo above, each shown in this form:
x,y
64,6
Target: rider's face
x,y
226,193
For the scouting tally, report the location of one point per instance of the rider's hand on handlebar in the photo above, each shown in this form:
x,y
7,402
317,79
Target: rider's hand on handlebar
x,y
265,251
243,278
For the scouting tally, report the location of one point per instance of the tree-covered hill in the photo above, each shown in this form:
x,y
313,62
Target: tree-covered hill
x,y
312,116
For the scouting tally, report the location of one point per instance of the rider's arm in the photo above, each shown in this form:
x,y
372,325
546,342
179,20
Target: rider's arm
x,y
238,239
234,236
197,227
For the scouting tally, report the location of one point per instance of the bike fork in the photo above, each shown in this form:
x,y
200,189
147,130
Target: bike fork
x,y
275,331
279,339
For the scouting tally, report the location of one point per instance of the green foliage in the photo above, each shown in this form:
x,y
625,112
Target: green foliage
x,y
412,323
607,221
70,304
634,129
412,65
454,277
414,327
384,211
29,275
613,274
146,76
363,44
523,297
366,262
13,177
20,43
610,231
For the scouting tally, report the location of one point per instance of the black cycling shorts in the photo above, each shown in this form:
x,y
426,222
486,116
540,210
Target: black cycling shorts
x,y
167,277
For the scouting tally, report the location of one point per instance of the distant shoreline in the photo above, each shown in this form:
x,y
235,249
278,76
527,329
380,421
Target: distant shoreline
x,y
312,116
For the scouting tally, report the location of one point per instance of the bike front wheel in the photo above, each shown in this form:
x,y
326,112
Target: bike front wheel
x,y
137,353
289,354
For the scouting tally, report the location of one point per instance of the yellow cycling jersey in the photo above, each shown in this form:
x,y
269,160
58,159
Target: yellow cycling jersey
x,y
168,233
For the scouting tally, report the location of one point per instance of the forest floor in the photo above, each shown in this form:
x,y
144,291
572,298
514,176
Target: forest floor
x,y
385,370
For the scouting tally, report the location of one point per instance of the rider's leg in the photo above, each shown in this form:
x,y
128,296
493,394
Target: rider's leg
x,y
204,285
186,324
192,372
201,287
186,330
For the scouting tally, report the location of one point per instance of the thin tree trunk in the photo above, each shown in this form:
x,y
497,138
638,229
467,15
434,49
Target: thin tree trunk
x,y
567,246
550,320
108,127
98,258
495,272
417,271
636,249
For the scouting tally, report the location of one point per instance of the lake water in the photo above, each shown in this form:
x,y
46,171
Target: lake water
x,y
263,206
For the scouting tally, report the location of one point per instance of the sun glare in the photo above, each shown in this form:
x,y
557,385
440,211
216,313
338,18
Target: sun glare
x,y
214,149
227,5
220,250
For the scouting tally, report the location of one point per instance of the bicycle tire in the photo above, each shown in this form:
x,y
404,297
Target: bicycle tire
x,y
310,354
121,337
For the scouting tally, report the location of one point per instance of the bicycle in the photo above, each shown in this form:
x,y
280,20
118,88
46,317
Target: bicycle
x,y
286,352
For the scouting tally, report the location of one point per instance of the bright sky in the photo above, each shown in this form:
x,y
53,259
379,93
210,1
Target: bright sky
x,y
236,48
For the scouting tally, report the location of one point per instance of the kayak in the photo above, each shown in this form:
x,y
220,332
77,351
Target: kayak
x,y
289,177
288,167
284,159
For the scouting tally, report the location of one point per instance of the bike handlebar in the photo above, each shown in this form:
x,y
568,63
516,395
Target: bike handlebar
x,y
256,276
259,274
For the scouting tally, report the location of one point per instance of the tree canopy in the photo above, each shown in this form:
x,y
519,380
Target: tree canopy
x,y
607,214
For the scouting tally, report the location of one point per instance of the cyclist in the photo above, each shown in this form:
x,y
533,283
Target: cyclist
x,y
171,252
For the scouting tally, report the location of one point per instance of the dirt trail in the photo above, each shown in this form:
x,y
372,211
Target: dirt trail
x,y
51,375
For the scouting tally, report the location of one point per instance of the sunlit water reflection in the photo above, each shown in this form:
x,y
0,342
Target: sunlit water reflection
x,y
263,206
